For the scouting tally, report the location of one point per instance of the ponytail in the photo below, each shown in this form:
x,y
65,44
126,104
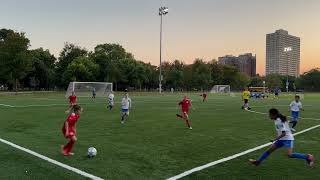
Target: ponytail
x,y
282,117
277,114
76,108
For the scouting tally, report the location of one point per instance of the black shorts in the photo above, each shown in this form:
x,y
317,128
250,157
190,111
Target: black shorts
x,y
245,101
276,94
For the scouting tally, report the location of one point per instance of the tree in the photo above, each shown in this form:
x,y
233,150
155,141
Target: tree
x,y
309,81
273,81
69,53
81,69
216,73
174,76
107,56
241,80
201,74
15,60
256,81
42,73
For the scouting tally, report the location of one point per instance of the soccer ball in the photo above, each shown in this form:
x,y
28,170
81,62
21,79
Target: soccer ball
x,y
92,152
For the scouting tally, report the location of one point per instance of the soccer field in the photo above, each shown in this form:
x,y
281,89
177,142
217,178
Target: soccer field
x,y
153,143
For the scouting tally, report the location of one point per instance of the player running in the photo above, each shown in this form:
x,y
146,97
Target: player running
x,y
245,99
125,106
185,106
94,93
110,101
295,107
72,101
69,130
284,139
276,93
204,96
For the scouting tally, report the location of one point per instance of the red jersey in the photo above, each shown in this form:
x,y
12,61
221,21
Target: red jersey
x,y
185,105
73,99
71,120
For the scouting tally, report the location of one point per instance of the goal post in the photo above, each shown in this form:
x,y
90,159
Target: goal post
x,y
220,89
85,89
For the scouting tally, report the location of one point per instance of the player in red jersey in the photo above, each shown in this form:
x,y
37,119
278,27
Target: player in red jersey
x,y
185,106
69,130
204,96
72,101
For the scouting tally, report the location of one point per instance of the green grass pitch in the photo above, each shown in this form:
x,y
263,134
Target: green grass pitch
x,y
153,143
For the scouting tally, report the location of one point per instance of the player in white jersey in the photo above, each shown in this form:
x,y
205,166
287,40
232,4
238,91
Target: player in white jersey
x,y
125,106
111,101
295,107
284,139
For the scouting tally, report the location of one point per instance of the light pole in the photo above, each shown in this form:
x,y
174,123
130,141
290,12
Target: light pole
x,y
287,50
162,11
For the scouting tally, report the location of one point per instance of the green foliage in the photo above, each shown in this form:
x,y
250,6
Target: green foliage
x,y
14,57
256,81
309,81
81,69
68,54
43,69
38,69
274,81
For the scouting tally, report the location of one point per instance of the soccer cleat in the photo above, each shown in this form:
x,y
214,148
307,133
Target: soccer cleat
x,y
254,162
293,130
190,127
122,122
179,116
310,160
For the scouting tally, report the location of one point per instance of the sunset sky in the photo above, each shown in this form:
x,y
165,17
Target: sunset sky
x,y
193,28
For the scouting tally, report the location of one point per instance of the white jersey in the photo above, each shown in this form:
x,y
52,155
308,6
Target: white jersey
x,y
111,99
126,103
295,106
283,126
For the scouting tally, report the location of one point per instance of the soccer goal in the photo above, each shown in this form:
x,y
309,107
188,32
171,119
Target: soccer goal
x,y
220,89
85,89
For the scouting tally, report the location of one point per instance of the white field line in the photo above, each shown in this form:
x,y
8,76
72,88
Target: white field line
x,y
186,173
47,105
288,116
75,170
279,105
6,105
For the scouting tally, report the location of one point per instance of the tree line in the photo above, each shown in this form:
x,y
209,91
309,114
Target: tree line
x,y
38,69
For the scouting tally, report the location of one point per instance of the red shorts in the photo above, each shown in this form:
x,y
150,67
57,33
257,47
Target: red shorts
x,y
71,133
185,111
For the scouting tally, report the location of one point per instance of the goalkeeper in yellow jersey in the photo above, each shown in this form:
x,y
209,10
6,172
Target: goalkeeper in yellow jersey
x,y
245,98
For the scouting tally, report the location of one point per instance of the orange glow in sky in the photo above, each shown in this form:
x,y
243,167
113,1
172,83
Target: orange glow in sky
x,y
193,29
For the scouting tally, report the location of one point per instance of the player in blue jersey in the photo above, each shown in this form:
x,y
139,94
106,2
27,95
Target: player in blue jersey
x,y
295,107
284,139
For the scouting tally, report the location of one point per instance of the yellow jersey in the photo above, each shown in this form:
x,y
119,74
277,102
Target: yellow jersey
x,y
245,94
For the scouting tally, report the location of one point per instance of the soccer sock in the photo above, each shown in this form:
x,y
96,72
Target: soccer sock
x,y
68,147
122,117
263,156
179,116
294,123
299,156
187,121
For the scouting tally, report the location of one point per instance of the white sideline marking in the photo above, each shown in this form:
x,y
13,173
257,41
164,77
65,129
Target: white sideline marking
x,y
186,173
6,105
47,105
288,116
75,170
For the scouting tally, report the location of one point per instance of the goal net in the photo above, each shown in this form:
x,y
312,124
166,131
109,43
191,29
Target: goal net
x,y
85,89
220,89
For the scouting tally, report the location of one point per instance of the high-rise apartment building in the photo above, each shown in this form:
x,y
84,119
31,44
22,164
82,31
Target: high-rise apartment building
x,y
282,54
